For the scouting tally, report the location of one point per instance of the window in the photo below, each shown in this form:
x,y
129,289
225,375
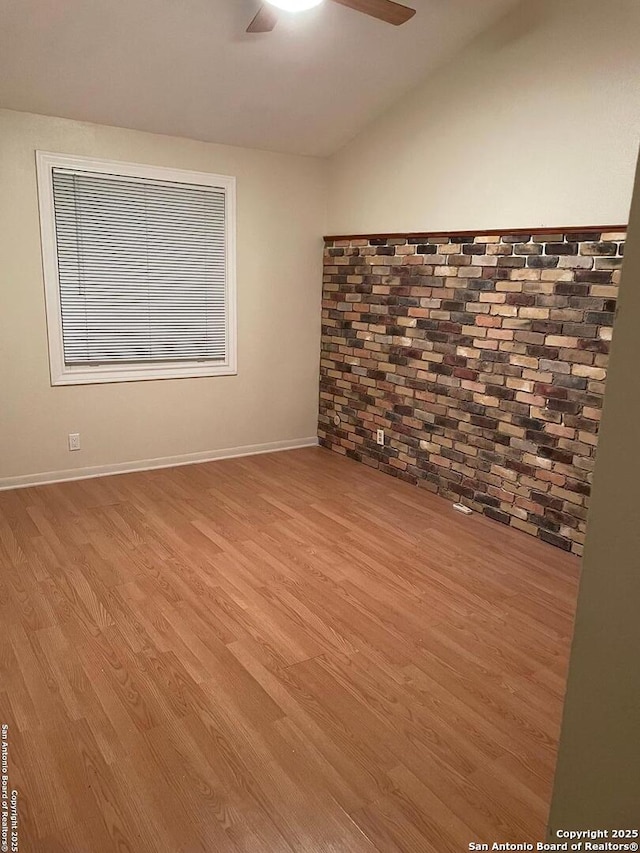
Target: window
x,y
138,270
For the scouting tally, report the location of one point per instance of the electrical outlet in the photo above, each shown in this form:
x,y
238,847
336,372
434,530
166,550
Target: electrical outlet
x,y
380,436
74,441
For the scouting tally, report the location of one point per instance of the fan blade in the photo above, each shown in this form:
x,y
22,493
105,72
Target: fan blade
x,y
384,10
264,21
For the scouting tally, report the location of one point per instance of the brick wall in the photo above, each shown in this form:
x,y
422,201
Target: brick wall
x,y
484,360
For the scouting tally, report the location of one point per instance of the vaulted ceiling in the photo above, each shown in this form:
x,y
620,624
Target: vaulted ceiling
x,y
187,68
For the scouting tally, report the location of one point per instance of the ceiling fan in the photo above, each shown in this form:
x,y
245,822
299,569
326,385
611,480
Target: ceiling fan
x,y
385,10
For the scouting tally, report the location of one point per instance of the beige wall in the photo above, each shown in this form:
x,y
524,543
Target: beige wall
x,y
598,774
281,217
535,123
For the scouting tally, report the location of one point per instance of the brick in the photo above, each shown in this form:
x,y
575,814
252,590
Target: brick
x,y
499,249
550,390
534,313
520,384
509,286
601,248
515,238
555,366
560,341
558,304
523,299
588,371
572,262
608,263
593,276
510,262
579,330
497,515
600,318
570,407
524,361
554,539
581,236
591,414
488,320
504,310
566,315
561,248
576,383
572,288
526,274
525,526
459,260
528,248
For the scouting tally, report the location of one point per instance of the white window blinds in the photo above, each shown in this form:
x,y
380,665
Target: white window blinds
x,y
142,269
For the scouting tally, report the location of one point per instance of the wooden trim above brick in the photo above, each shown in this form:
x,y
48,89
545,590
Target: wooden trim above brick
x,y
478,232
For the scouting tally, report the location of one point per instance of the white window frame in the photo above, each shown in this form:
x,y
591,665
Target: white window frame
x,y
63,374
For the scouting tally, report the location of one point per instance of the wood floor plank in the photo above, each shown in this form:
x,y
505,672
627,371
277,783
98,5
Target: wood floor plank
x,y
278,653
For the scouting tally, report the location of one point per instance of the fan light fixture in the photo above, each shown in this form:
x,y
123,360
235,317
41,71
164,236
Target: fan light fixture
x,y
295,5
388,11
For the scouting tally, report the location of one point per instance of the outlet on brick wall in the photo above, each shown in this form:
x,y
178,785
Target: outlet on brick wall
x,y
485,357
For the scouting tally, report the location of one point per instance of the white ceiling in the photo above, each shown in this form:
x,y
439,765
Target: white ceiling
x,y
186,67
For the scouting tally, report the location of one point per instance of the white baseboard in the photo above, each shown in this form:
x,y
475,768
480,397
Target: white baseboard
x,y
149,464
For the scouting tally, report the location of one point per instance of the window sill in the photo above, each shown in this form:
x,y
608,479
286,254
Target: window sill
x,y
92,375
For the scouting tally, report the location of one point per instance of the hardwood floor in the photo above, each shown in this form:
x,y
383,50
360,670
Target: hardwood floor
x,y
287,652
